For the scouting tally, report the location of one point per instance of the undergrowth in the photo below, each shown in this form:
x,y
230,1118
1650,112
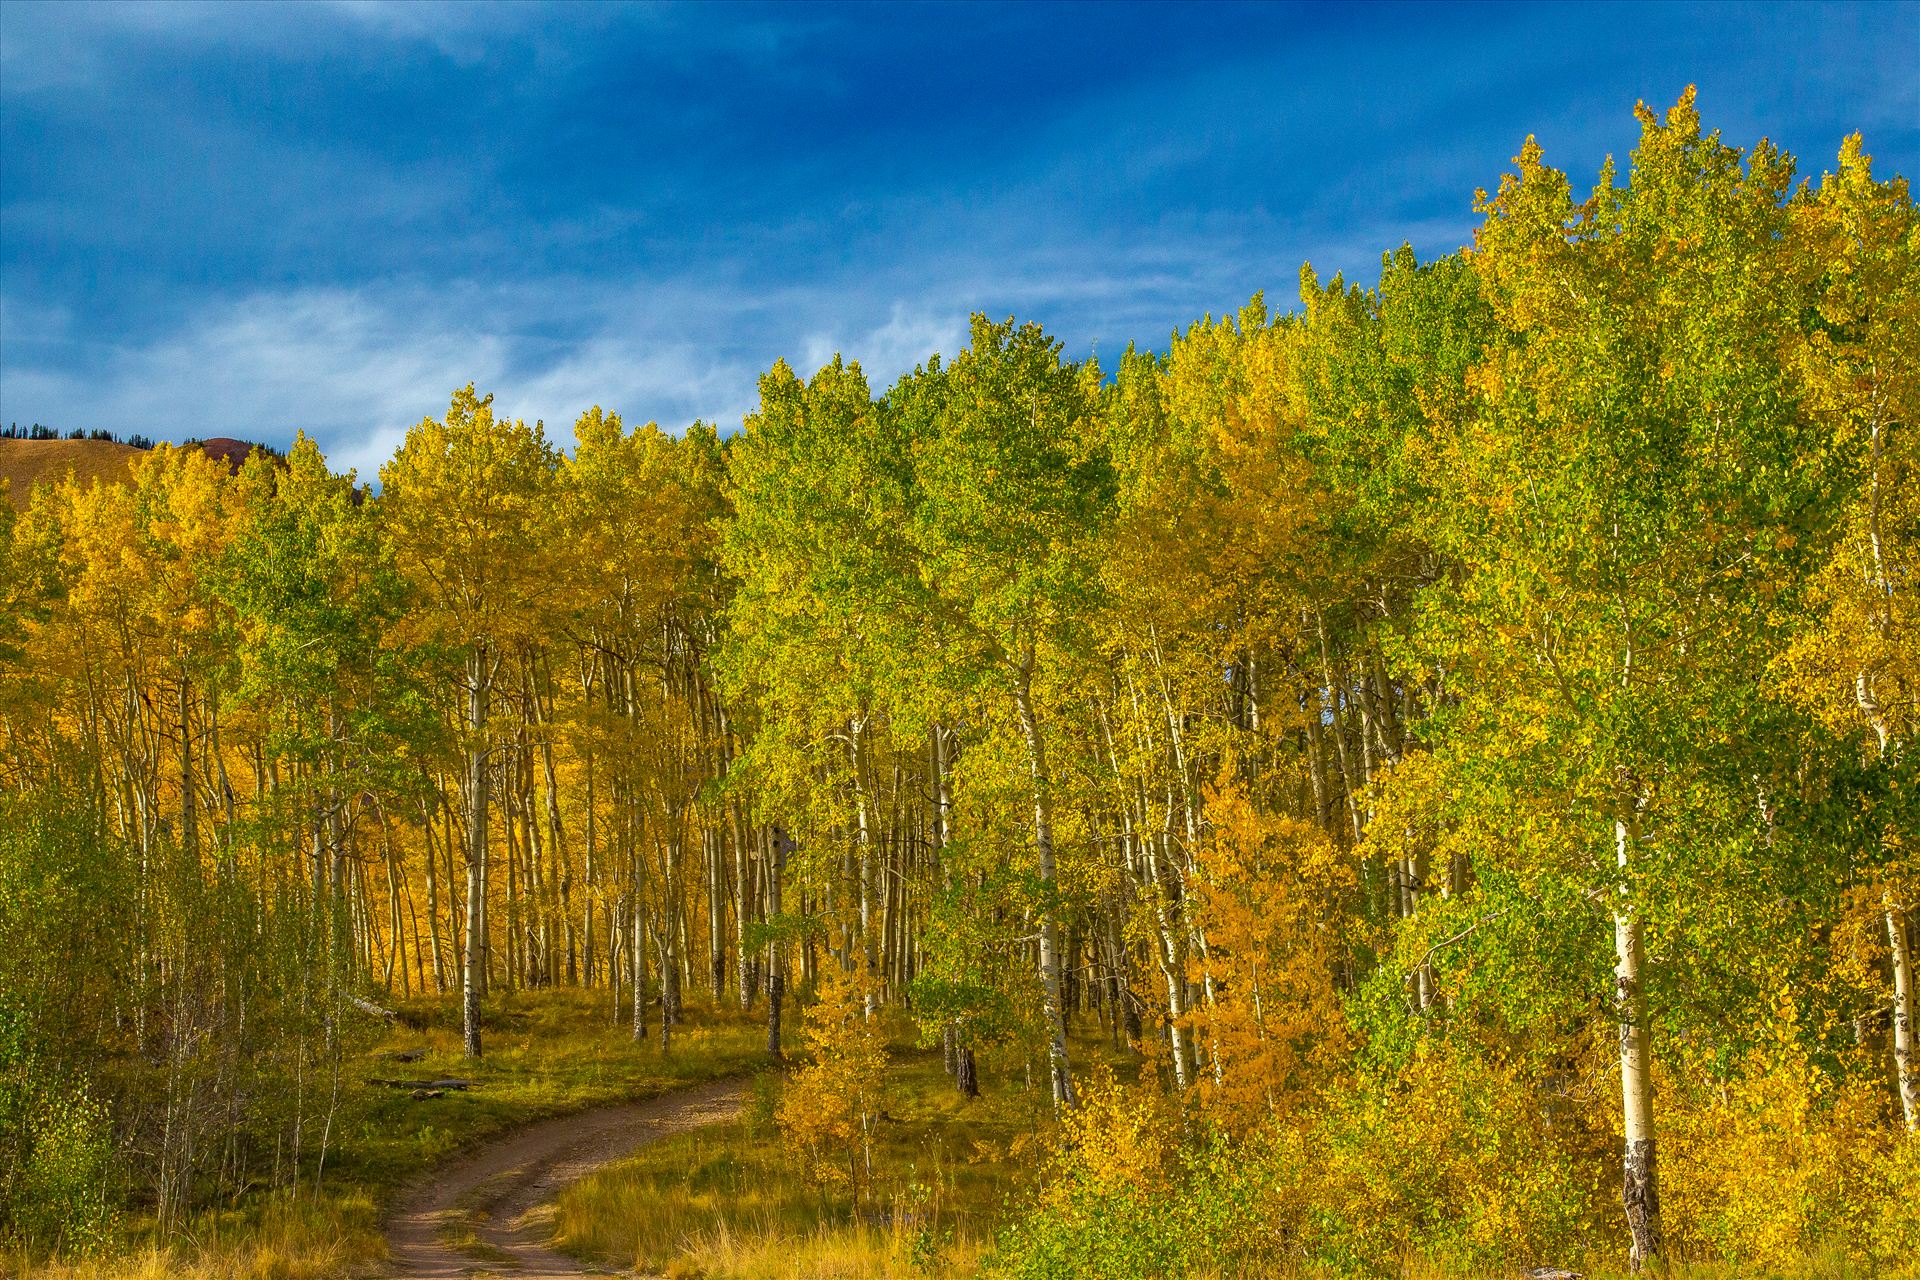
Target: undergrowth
x,y
548,1053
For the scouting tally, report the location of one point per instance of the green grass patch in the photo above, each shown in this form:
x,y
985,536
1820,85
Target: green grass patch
x,y
731,1201
546,1053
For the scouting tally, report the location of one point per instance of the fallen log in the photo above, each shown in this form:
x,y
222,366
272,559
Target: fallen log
x,y
421,1084
369,1007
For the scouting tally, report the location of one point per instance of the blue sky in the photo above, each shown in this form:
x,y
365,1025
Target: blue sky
x,y
229,219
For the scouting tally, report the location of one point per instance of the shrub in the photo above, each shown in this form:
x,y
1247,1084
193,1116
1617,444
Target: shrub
x,y
1452,1160
828,1110
1782,1159
61,1196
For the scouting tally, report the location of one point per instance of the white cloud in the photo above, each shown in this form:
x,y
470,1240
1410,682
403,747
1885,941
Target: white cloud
x,y
261,367
909,336
354,369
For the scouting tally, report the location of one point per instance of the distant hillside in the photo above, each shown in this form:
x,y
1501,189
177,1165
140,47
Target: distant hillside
x,y
230,451
25,463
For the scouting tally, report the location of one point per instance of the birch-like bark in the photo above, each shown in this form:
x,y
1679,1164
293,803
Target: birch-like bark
x,y
857,740
742,899
433,896
471,976
776,950
668,935
637,959
1146,865
1639,1186
1906,1066
561,881
1172,957
592,871
938,830
189,827
1061,1072
712,845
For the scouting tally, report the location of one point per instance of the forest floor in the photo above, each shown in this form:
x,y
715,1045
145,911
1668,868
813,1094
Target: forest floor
x,y
548,1054
492,1208
733,1201
581,1152
697,1182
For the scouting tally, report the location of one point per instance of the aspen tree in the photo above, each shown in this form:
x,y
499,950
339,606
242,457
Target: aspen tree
x,y
1610,513
1414,690
1858,245
466,502
1013,487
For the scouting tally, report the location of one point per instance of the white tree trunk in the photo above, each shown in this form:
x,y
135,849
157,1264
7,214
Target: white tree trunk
x,y
1905,1064
471,976
1061,1072
1639,1187
776,846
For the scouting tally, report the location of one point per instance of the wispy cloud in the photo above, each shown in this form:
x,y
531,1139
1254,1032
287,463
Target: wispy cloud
x,y
330,362
246,219
356,368
910,334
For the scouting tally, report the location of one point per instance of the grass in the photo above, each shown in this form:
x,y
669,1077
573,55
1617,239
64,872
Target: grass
x,y
724,1203
547,1053
1826,1264
732,1202
729,1203
25,463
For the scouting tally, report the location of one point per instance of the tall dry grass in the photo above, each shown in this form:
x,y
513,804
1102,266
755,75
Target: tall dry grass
x,y
549,1052
281,1239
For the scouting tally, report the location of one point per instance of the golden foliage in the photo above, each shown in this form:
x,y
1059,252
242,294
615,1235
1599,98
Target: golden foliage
x,y
1772,1163
1268,897
829,1109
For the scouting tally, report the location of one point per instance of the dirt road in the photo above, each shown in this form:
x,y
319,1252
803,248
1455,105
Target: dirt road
x,y
487,1199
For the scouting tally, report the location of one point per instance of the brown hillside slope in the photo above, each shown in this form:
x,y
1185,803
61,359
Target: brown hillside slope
x,y
25,463
228,450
